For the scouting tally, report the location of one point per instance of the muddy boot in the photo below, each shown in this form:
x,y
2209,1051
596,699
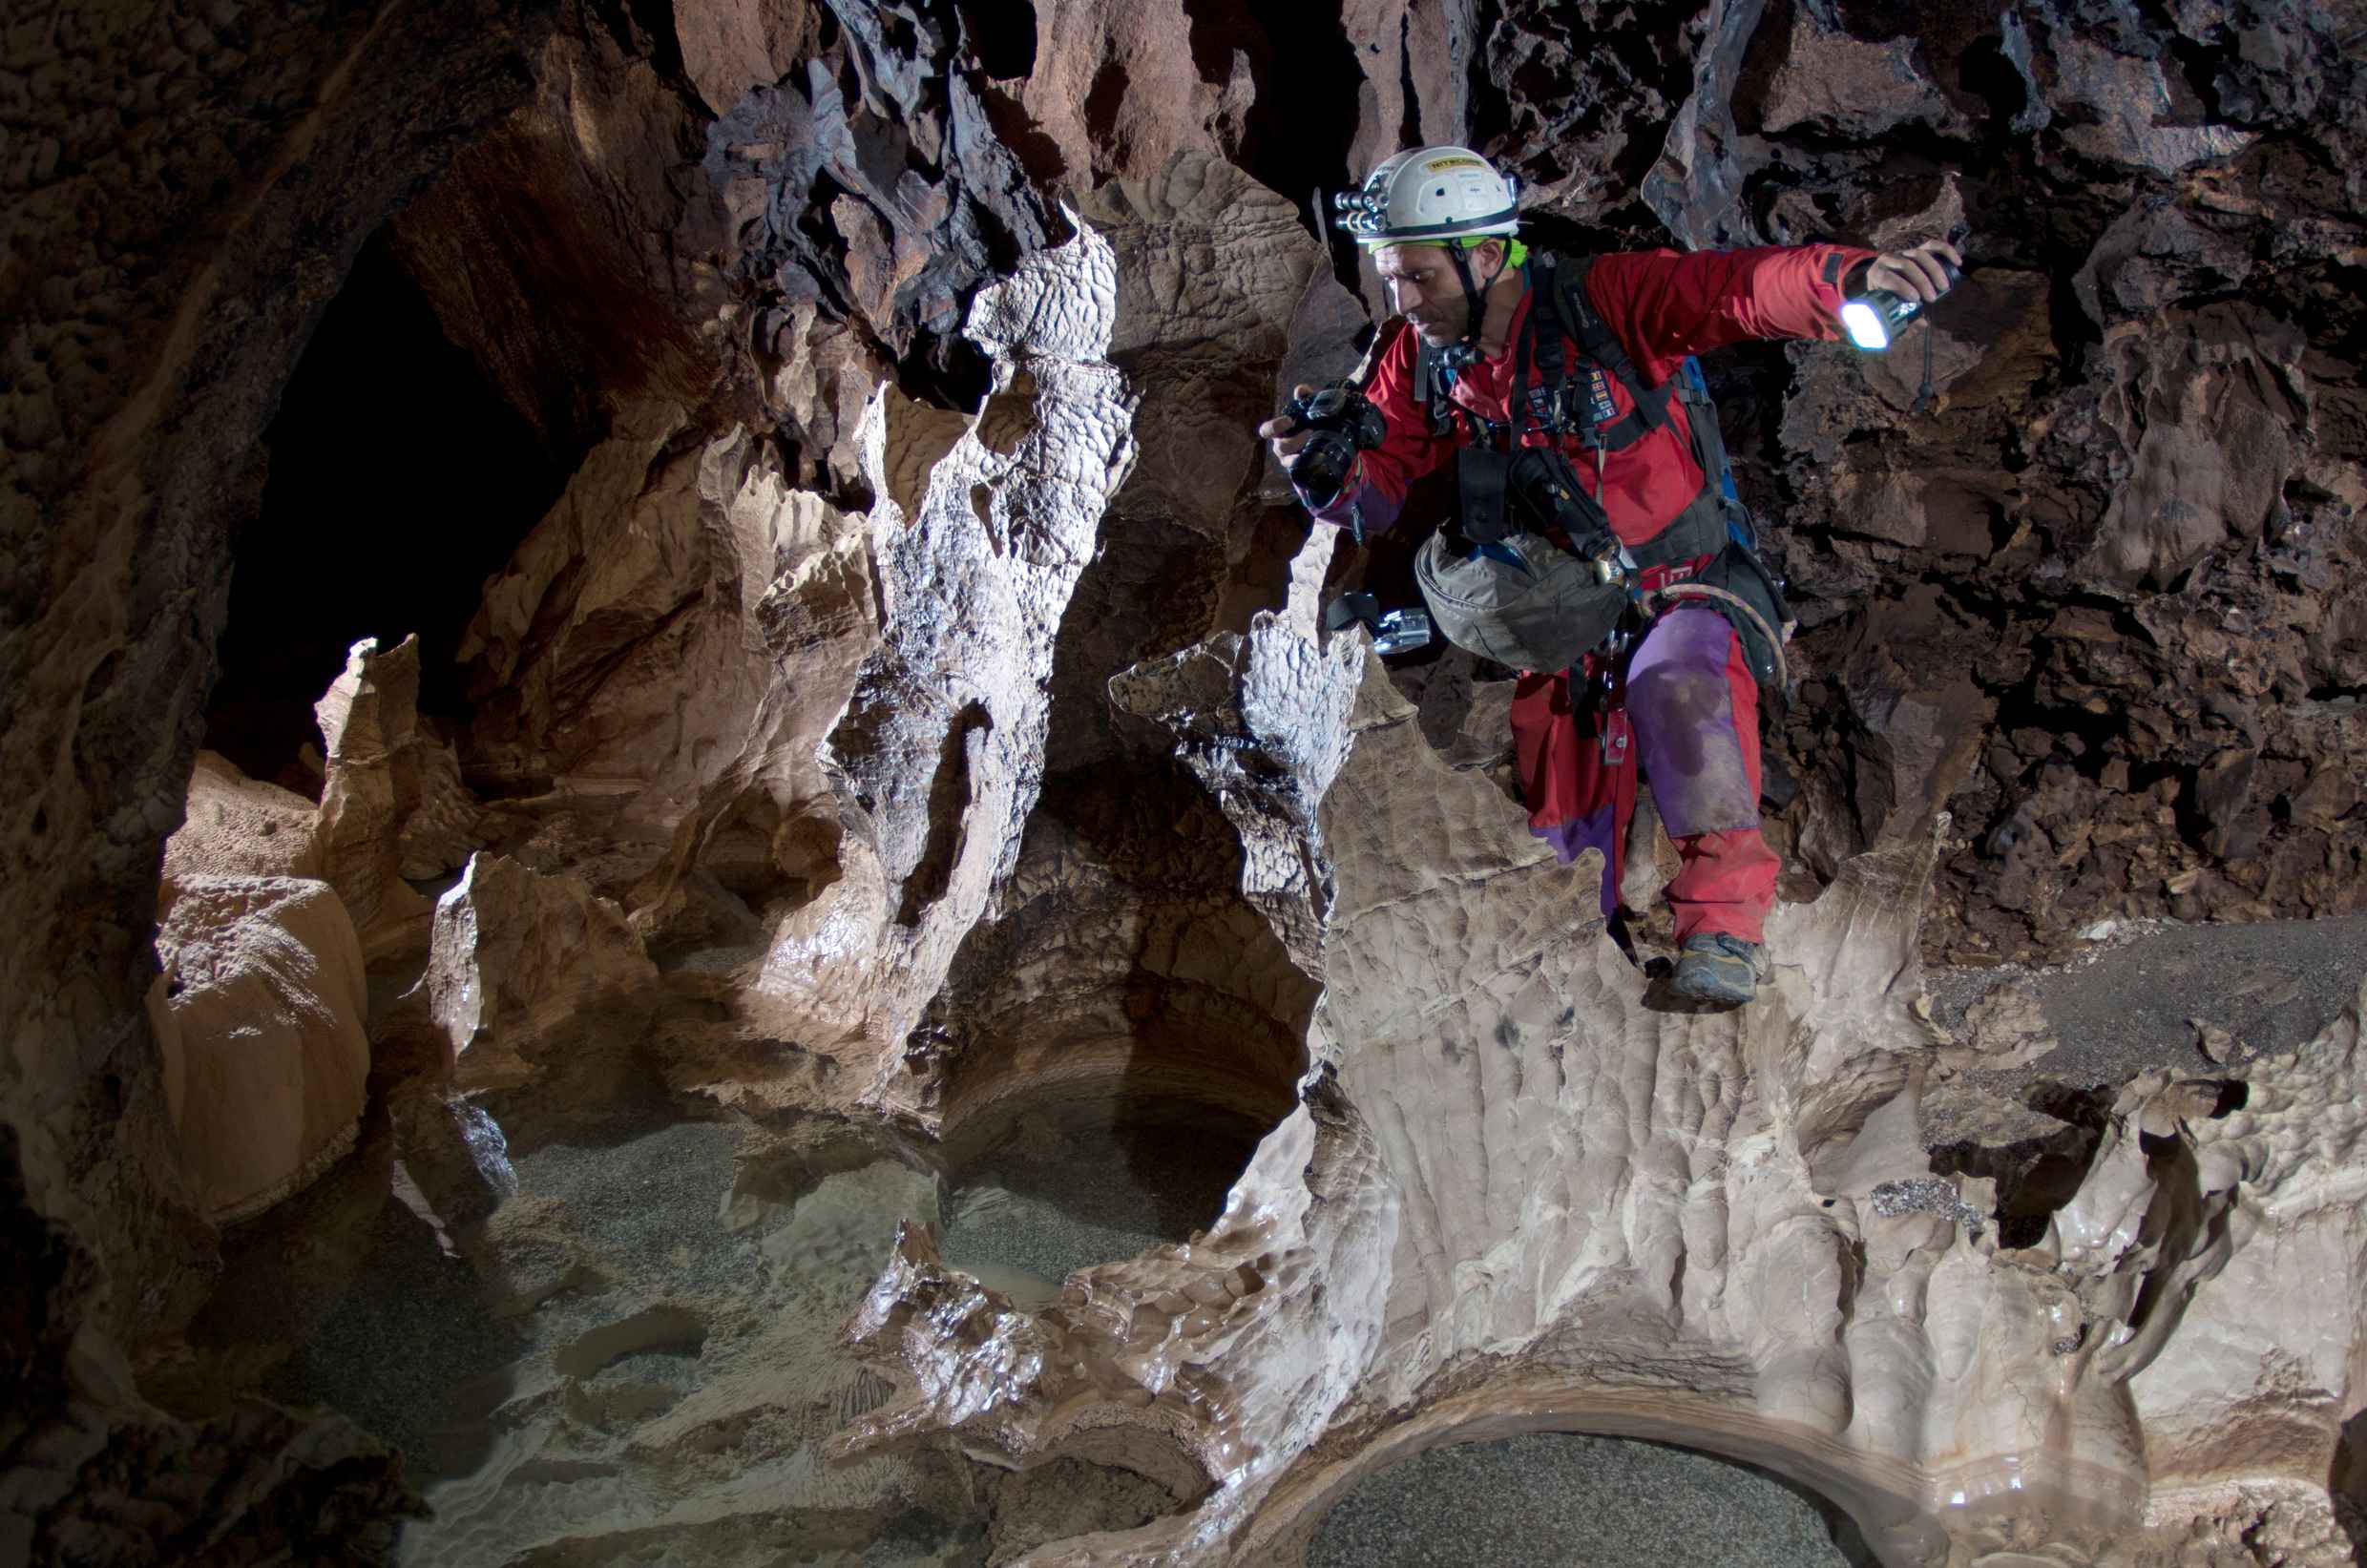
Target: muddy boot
x,y
1718,969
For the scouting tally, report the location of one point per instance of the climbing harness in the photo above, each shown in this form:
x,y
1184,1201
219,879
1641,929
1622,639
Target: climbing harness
x,y
1526,587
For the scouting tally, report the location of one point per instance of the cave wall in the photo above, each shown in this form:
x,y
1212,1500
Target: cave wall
x,y
2097,601
185,192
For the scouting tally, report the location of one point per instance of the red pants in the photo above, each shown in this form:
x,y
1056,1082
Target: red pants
x,y
1685,705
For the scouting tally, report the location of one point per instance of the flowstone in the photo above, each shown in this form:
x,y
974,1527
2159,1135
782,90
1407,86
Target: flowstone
x,y
1525,1189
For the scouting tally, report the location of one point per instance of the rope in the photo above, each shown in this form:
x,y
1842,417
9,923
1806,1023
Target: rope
x,y
1703,590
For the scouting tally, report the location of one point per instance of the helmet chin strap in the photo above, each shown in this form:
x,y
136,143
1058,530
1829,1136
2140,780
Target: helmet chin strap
x,y
1467,352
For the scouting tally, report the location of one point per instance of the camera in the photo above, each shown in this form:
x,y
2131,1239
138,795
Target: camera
x,y
1394,631
1345,423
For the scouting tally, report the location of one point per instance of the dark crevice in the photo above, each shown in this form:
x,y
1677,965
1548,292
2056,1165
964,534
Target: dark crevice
x,y
948,371
1409,108
1308,79
400,480
949,810
645,28
1002,36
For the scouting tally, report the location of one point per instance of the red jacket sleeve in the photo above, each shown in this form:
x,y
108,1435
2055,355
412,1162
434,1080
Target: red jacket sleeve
x,y
1376,491
1665,304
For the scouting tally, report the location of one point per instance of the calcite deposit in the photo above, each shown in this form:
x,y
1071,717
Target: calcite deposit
x,y
913,717
258,1028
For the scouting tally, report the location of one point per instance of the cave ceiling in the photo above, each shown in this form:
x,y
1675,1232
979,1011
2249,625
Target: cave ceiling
x,y
709,562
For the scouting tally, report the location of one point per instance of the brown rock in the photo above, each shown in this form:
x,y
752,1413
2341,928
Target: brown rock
x,y
568,256
239,827
1841,86
2206,412
258,1017
1126,92
445,826
2129,113
370,723
729,49
523,966
454,1152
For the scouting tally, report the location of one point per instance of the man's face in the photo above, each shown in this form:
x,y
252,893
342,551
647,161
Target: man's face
x,y
1424,289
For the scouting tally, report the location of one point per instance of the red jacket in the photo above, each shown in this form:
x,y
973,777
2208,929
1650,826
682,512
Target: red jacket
x,y
1663,305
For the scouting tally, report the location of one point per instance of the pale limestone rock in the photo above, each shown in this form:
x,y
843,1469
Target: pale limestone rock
x,y
593,669
1537,1193
1211,267
524,964
259,1018
235,825
934,761
1121,956
677,685
369,722
445,826
2006,1027
765,827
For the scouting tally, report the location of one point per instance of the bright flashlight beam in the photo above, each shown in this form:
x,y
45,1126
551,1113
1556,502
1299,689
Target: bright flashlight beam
x,y
1864,325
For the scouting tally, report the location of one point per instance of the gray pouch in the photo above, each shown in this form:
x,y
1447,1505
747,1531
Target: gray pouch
x,y
1521,601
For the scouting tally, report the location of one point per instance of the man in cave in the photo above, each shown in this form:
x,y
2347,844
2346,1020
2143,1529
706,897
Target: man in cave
x,y
1562,391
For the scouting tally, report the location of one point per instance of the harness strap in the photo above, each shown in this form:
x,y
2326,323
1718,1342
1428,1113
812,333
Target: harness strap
x,y
1558,308
1699,529
1601,345
1733,602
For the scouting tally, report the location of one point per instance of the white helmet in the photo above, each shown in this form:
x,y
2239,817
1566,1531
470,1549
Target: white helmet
x,y
1430,193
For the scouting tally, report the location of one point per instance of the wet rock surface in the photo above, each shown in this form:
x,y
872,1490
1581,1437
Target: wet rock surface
x,y
919,667
641,1341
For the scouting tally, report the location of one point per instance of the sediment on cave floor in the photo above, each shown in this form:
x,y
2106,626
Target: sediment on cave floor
x,y
645,1338
690,876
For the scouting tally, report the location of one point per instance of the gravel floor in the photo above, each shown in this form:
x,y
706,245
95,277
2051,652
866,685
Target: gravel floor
x,y
2272,985
1058,1195
1550,1500
653,1202
414,1326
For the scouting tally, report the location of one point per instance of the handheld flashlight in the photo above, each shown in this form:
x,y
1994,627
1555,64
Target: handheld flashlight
x,y
1874,318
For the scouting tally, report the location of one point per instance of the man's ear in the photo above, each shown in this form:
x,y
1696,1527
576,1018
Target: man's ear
x,y
1491,258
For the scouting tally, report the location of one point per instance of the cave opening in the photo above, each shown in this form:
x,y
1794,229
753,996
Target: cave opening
x,y
1002,36
400,480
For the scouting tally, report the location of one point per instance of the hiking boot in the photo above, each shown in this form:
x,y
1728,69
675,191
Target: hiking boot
x,y
1718,969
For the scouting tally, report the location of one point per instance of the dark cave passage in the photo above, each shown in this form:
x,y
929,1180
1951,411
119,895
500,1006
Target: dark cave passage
x,y
400,480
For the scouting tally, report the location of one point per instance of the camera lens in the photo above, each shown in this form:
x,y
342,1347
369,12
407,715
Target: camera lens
x,y
1322,466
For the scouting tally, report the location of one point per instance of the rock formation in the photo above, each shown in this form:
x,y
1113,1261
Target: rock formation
x,y
525,965
258,1028
914,713
370,728
1534,1195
